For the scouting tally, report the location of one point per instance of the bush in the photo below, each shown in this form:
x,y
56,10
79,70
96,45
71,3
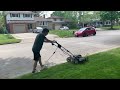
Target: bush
x,y
3,30
72,25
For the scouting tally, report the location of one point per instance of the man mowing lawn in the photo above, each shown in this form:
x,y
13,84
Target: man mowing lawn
x,y
37,46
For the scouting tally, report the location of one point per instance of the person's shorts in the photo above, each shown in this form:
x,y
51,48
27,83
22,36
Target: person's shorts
x,y
36,56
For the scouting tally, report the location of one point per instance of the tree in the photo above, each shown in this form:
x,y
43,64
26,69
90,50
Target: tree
x,y
78,16
70,15
109,15
2,23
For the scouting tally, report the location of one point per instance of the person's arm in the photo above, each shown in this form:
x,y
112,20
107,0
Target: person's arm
x,y
47,40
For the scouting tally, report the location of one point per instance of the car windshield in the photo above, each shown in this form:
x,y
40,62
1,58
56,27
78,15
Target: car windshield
x,y
82,29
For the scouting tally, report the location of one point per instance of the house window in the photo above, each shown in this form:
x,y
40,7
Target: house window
x,y
14,15
61,19
10,15
26,15
31,15
106,22
46,23
40,23
43,23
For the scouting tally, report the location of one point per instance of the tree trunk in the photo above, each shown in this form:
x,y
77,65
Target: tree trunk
x,y
111,20
111,24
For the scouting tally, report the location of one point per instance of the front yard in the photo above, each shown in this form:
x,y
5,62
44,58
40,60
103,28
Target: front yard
x,y
108,28
63,33
8,39
104,65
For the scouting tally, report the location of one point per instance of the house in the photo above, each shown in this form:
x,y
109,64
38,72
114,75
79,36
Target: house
x,y
99,23
107,23
25,21
57,22
19,21
42,22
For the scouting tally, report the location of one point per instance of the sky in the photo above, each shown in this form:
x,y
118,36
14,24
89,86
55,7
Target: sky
x,y
48,13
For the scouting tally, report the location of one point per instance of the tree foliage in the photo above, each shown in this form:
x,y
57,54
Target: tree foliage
x,y
110,15
82,16
2,23
78,16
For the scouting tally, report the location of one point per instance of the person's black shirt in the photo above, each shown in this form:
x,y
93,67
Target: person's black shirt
x,y
38,43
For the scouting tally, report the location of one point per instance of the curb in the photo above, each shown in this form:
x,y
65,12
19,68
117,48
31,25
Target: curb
x,y
103,50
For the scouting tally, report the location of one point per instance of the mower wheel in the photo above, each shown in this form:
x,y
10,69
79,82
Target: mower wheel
x,y
68,59
76,62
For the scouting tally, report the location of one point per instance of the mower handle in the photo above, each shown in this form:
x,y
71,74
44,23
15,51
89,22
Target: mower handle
x,y
59,46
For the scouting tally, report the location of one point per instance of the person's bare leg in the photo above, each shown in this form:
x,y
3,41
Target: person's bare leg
x,y
34,66
40,62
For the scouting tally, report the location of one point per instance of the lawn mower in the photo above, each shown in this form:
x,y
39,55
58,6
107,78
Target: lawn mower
x,y
76,59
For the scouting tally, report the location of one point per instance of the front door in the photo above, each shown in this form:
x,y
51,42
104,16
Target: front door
x,y
29,26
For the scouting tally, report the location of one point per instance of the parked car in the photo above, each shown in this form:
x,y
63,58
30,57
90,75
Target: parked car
x,y
64,28
38,30
86,31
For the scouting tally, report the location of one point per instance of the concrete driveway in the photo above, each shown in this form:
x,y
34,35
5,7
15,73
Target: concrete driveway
x,y
16,59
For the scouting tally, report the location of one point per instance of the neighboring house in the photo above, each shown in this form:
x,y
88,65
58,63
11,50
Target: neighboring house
x,y
19,21
57,22
42,22
107,23
99,23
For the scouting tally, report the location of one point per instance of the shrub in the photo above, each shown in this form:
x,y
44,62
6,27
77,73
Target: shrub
x,y
3,30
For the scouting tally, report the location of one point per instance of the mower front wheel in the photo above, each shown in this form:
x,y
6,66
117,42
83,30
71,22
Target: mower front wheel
x,y
68,59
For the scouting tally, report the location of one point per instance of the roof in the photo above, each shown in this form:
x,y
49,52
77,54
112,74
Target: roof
x,y
54,17
21,21
41,19
27,12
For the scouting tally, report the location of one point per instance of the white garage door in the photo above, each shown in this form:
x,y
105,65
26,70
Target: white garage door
x,y
19,28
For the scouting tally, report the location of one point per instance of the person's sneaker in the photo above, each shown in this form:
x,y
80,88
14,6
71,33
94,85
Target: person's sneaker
x,y
43,67
34,71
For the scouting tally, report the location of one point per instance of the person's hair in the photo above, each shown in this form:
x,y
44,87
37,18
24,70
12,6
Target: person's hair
x,y
45,30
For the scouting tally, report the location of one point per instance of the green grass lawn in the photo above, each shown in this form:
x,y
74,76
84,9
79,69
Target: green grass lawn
x,y
63,33
104,65
114,28
8,39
